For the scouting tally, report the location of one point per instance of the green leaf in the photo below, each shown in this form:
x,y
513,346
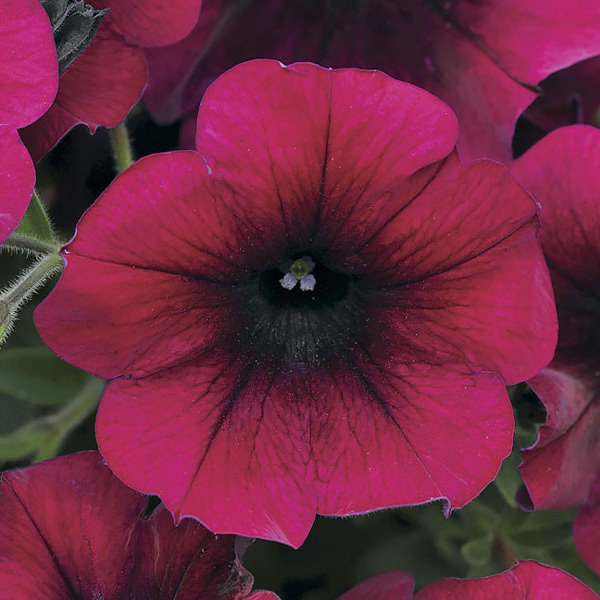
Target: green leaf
x,y
509,480
35,223
37,376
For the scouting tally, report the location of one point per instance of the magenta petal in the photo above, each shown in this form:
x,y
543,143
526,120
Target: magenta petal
x,y
394,585
586,534
17,178
29,66
71,529
92,91
562,171
66,529
288,445
152,22
528,579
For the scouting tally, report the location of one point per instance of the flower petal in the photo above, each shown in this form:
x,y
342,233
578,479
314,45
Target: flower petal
x,y
274,446
152,22
528,579
393,585
92,91
17,178
29,66
61,522
562,171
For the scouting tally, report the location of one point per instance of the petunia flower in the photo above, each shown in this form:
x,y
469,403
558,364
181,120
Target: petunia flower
x,y
70,529
562,469
483,58
381,386
561,171
28,83
528,579
108,78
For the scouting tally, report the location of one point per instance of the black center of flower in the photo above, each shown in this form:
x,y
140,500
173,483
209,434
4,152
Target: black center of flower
x,y
302,313
326,288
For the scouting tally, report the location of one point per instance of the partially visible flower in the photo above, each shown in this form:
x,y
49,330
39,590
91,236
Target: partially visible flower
x,y
483,58
562,469
108,78
562,172
528,579
70,529
381,382
28,83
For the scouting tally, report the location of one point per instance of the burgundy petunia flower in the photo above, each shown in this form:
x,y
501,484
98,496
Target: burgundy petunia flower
x,y
318,311
28,83
562,172
70,529
483,58
528,579
108,78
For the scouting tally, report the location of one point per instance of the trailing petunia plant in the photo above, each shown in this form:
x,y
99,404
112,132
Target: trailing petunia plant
x,y
314,290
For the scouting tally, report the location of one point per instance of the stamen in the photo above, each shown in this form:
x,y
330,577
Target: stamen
x,y
299,271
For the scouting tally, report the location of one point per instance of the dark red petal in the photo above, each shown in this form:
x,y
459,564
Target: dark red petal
x,y
562,171
394,585
527,579
17,178
472,283
187,562
586,534
341,124
68,530
162,318
152,22
29,66
275,446
92,91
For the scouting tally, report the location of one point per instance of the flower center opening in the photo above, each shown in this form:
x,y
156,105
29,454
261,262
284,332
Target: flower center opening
x,y
303,282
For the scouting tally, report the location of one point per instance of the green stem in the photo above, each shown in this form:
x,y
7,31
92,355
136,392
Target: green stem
x,y
13,297
60,424
23,243
121,146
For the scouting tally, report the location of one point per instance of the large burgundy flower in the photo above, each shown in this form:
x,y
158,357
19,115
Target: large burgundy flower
x,y
28,83
483,58
318,311
70,529
108,78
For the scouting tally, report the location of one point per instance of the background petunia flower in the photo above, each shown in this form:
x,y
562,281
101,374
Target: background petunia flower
x,y
562,469
483,58
528,579
381,386
561,171
28,83
108,78
70,529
